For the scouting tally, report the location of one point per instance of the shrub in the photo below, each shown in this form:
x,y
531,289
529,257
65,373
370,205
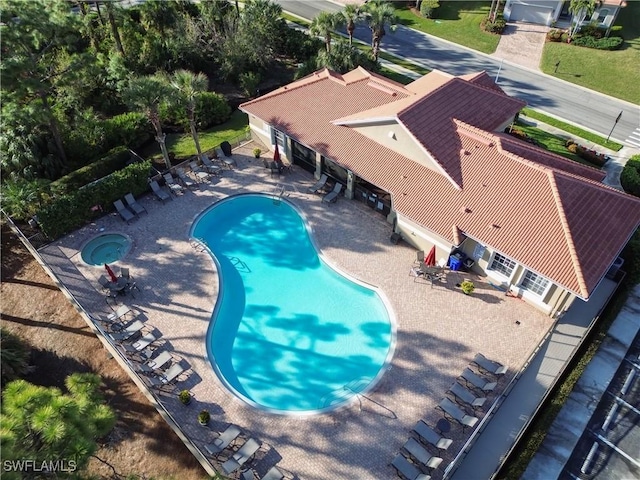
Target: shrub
x,y
249,82
592,31
609,43
496,26
591,156
130,129
115,160
211,109
467,287
630,176
573,148
428,7
554,35
70,211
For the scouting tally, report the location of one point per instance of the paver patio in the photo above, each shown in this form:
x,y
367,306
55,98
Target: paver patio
x,y
439,330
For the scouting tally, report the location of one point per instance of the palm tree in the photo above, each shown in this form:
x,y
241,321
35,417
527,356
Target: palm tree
x,y
580,10
351,14
189,86
378,13
323,25
146,94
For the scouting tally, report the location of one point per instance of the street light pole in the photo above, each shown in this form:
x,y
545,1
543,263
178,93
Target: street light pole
x,y
614,124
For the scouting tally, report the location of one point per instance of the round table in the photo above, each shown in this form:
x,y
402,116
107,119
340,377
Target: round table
x,y
443,425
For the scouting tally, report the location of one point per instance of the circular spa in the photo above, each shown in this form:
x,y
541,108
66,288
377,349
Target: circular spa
x,y
105,248
289,334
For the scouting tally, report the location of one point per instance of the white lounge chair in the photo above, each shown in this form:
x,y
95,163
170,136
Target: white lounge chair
x,y
273,474
489,366
127,332
408,470
186,181
319,184
418,452
242,456
156,363
332,196
171,183
452,410
477,381
168,377
223,440
120,313
429,436
142,343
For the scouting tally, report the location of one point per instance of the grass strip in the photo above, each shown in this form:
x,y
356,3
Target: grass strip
x,y
551,142
530,442
294,19
404,63
182,143
577,131
395,76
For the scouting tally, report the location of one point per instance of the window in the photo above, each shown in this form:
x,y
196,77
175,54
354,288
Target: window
x,y
534,283
602,15
279,137
502,264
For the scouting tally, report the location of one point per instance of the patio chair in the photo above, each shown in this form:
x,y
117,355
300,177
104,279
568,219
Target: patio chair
x,y
274,473
126,214
430,437
127,332
421,454
332,196
168,377
242,456
171,183
273,168
419,257
470,378
159,192
451,410
223,440
156,363
210,167
408,470
489,366
120,313
133,205
186,181
200,174
104,283
319,184
465,396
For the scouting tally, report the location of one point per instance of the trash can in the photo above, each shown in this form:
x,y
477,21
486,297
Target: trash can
x,y
455,262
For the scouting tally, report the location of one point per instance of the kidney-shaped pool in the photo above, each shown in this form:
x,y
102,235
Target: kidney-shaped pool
x,y
289,333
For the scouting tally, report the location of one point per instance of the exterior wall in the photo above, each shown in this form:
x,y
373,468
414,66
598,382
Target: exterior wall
x,y
260,130
422,239
394,137
607,21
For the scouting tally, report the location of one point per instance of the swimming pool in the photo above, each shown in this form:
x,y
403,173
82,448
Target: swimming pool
x,y
289,334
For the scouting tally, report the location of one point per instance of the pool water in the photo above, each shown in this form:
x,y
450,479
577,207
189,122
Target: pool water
x,y
289,333
106,248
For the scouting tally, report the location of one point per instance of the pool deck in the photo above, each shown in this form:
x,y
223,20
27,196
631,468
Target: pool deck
x,y
439,329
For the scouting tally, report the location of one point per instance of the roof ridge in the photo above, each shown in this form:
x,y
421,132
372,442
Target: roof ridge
x,y
575,261
314,77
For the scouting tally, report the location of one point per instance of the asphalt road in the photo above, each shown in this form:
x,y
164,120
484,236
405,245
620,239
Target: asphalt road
x,y
578,105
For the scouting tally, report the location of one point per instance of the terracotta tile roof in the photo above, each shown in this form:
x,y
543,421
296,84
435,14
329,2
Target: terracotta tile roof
x,y
546,213
482,79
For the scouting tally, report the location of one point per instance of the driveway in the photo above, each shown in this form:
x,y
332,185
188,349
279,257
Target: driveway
x,y
522,44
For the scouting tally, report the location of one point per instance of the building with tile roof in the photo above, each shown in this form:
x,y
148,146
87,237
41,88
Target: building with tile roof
x,y
432,157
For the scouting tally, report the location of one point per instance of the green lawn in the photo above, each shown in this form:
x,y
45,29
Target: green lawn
x,y
456,21
614,73
551,142
182,143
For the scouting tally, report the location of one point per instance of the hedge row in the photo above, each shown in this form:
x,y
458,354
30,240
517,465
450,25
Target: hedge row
x,y
591,156
115,160
211,109
630,176
69,212
607,43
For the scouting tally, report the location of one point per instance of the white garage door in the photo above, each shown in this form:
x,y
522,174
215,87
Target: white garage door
x,y
529,13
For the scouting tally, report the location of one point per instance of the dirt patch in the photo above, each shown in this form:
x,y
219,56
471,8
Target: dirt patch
x,y
32,307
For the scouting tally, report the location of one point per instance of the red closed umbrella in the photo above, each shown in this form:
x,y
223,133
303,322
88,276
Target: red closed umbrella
x,y
112,275
430,259
276,156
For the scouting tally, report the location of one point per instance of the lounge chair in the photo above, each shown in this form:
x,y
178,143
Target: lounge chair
x,y
418,452
489,366
210,167
408,470
159,192
248,475
171,183
142,343
430,437
127,332
274,473
242,456
452,410
133,205
477,381
465,396
167,377
200,174
156,363
223,440
126,214
319,184
186,181
120,313
332,196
